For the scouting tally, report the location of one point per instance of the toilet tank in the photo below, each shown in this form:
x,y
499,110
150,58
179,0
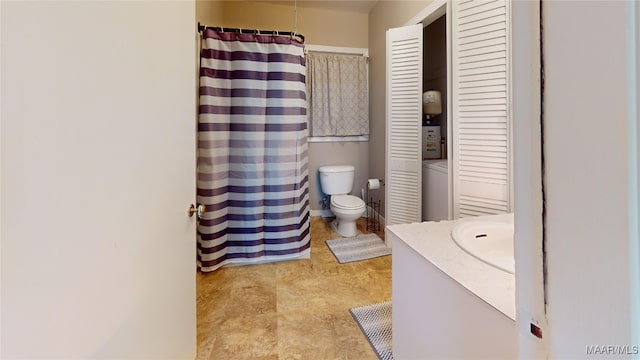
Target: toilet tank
x,y
336,179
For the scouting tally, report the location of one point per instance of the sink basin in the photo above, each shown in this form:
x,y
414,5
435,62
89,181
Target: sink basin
x,y
488,241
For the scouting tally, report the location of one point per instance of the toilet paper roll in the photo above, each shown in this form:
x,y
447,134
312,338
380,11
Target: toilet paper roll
x,y
373,184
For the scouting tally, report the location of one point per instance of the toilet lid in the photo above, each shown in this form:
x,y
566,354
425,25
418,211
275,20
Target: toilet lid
x,y
347,201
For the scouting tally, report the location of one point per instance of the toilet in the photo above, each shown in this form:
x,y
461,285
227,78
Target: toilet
x,y
337,181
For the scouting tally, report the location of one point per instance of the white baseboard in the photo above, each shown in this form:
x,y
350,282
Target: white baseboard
x,y
322,213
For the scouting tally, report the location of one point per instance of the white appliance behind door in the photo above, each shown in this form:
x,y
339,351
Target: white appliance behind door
x,y
435,202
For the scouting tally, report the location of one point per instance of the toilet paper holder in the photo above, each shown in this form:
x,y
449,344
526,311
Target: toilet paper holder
x,y
374,184
373,206
373,215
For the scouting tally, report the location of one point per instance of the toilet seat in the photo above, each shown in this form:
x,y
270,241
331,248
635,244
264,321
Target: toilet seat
x,y
347,202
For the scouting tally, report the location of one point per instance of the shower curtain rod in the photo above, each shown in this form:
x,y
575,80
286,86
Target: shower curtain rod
x,y
201,28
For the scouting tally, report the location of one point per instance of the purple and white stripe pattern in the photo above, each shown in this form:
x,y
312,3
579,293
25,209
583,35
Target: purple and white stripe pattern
x,y
252,150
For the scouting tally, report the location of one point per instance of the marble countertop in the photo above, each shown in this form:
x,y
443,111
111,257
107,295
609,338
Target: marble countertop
x,y
433,241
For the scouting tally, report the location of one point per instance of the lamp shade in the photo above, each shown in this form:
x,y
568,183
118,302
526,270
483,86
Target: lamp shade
x,y
431,102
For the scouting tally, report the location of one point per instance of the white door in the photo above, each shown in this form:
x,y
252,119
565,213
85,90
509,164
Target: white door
x,y
98,129
481,126
403,191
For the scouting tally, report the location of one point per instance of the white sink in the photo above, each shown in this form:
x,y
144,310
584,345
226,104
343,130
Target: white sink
x,y
488,241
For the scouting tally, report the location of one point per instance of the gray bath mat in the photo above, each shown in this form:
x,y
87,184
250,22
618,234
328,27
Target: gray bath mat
x,y
375,322
358,248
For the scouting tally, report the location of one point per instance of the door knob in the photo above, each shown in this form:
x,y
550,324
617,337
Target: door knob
x,y
200,210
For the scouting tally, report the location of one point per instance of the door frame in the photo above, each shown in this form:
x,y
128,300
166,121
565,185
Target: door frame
x,y
633,121
426,16
527,177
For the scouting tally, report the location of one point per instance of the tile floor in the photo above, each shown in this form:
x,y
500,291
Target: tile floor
x,y
290,310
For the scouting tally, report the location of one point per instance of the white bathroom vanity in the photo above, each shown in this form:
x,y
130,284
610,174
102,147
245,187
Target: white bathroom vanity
x,y
447,303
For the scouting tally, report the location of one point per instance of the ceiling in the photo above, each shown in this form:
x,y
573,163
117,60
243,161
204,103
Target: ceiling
x,y
360,6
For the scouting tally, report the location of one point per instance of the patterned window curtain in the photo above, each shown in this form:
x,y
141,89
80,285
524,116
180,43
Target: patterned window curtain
x,y
252,150
338,94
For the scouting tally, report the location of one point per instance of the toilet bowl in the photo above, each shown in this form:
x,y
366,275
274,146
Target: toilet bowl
x,y
347,209
337,181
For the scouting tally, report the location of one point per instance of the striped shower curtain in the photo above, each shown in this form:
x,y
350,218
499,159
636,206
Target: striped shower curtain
x,y
252,150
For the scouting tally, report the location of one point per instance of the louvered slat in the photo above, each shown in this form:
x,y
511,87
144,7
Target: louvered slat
x,y
481,86
404,110
472,206
478,6
481,100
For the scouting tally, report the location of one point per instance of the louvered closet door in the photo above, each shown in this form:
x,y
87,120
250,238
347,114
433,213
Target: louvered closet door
x,y
403,191
481,102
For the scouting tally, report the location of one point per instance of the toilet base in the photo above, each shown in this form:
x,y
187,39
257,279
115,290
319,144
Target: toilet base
x,y
345,228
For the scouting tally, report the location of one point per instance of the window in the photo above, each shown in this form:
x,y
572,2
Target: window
x,y
337,94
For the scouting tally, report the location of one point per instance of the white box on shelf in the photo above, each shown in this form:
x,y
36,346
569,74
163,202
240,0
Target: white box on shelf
x,y
431,142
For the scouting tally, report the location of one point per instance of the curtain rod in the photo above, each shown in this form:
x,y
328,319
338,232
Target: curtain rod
x,y
201,28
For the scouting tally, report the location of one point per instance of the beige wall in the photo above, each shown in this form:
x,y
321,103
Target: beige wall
x,y
209,12
385,15
319,27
